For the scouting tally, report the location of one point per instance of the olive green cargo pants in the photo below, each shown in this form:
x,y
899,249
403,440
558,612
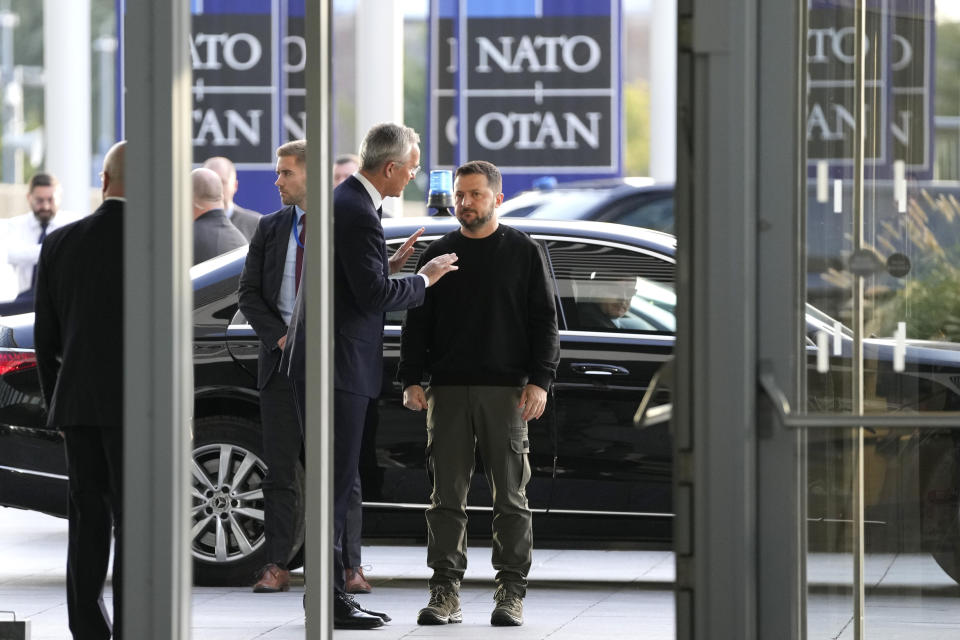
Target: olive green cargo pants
x,y
460,419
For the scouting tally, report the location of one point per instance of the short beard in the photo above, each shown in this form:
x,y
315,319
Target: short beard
x,y
478,221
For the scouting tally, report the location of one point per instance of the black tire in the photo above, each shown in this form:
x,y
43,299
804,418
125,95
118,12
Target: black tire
x,y
227,539
941,502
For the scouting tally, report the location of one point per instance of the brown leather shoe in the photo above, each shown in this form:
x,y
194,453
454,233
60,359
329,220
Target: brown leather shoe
x,y
354,582
272,580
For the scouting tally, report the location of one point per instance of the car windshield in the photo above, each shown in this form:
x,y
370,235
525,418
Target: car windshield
x,y
559,205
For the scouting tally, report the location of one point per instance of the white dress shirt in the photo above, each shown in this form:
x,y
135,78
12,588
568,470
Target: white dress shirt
x,y
22,249
377,203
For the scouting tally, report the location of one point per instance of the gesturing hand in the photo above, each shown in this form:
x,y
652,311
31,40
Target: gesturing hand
x,y
401,255
439,266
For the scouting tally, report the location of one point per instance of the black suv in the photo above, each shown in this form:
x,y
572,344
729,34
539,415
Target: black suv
x,y
597,476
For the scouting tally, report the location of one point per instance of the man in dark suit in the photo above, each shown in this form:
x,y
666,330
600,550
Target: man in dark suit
x,y
268,287
363,291
244,219
79,306
213,234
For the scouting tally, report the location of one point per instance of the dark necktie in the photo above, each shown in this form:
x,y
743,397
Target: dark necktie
x,y
303,239
43,234
380,212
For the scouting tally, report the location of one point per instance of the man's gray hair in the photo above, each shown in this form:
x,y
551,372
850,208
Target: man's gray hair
x,y
385,143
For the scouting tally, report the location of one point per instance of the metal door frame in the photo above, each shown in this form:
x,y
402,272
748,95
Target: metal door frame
x,y
738,475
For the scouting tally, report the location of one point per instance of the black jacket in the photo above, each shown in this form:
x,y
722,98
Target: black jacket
x,y
260,286
78,329
492,322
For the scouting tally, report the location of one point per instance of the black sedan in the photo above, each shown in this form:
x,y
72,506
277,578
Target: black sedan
x,y
637,202
597,477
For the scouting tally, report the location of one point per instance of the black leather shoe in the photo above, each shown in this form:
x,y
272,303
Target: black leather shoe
x,y
380,615
347,614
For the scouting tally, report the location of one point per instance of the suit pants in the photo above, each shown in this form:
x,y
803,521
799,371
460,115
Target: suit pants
x,y
352,534
282,443
95,471
461,419
349,416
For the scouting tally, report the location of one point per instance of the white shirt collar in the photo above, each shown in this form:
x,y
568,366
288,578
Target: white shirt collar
x,y
372,190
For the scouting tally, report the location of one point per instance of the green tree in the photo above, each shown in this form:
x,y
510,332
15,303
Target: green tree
x,y
929,301
947,100
636,117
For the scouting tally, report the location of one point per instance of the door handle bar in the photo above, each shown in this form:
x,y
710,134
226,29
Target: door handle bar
x,y
790,420
646,415
593,369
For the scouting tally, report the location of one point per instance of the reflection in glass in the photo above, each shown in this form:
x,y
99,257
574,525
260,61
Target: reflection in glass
x,y
905,277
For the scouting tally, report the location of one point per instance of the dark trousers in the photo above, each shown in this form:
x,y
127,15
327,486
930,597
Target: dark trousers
x,y
95,471
349,416
352,533
282,442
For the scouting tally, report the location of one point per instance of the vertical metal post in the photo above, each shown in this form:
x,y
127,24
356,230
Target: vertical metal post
x,y
781,498
319,310
717,176
860,28
158,390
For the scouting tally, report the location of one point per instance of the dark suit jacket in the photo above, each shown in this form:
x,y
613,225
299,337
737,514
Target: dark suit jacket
x,y
245,220
363,290
214,234
78,330
260,286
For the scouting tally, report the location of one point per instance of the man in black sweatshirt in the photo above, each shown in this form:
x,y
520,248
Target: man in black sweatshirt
x,y
486,338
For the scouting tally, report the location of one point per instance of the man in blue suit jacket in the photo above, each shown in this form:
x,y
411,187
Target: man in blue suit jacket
x,y
268,288
363,292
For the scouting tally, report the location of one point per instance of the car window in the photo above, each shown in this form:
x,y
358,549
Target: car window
x,y
613,289
568,205
648,214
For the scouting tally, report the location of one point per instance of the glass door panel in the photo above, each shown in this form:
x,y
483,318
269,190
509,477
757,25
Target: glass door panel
x,y
882,317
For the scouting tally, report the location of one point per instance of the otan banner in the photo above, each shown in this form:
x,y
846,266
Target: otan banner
x,y
899,86
248,59
530,85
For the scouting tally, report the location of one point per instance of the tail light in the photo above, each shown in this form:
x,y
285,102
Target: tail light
x,y
12,360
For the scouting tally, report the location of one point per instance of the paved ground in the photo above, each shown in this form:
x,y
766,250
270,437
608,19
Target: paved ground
x,y
574,595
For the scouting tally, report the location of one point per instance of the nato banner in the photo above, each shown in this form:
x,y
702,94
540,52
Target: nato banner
x,y
530,85
899,76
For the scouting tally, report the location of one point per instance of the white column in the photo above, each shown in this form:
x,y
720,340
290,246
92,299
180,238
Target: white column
x,y
379,64
66,93
663,90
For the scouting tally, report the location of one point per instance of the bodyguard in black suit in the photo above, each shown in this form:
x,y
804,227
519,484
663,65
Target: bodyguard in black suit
x,y
245,220
267,293
363,292
213,234
79,306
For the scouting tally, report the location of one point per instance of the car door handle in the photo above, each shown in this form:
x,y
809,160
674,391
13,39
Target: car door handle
x,y
594,369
